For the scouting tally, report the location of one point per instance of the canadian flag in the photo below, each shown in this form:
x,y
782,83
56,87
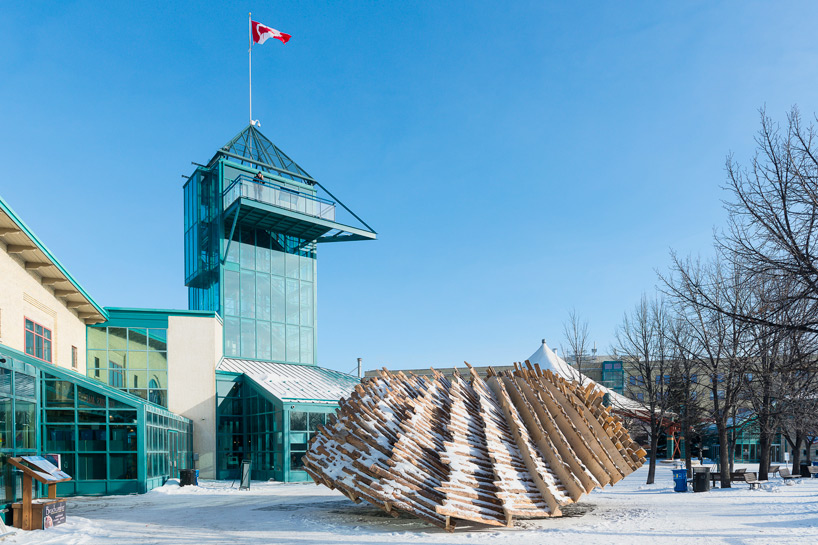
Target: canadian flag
x,y
262,32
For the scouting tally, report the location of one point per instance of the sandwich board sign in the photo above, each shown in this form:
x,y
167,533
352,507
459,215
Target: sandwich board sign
x,y
53,514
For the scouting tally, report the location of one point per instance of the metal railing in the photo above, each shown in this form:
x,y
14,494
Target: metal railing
x,y
278,195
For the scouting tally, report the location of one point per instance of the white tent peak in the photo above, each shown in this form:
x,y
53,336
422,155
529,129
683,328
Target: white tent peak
x,y
548,359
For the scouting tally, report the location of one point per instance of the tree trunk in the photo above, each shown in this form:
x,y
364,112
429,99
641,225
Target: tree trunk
x,y
724,455
688,458
765,438
796,452
654,445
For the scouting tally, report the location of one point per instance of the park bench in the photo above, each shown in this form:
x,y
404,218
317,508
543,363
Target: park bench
x,y
774,469
785,474
735,477
750,478
813,471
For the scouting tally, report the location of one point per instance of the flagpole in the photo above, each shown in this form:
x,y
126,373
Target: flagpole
x,y
250,61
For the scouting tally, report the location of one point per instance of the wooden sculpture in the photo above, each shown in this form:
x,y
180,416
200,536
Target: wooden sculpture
x,y
517,444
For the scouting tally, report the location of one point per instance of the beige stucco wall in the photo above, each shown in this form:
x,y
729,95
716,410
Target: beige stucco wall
x,y
22,295
194,349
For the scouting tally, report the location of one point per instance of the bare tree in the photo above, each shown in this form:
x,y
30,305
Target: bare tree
x,y
576,335
720,340
641,342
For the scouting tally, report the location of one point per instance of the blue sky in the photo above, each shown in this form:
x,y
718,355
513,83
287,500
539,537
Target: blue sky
x,y
517,159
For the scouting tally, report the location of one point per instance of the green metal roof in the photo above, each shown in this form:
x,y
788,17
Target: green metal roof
x,y
149,317
49,256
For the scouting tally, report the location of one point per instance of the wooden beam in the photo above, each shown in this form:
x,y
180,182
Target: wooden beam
x,y
64,293
19,248
9,231
75,304
33,266
50,281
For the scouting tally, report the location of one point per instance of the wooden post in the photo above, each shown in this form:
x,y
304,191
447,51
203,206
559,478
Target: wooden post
x,y
52,491
27,497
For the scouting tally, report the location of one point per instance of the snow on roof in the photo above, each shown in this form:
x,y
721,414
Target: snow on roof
x,y
294,383
547,359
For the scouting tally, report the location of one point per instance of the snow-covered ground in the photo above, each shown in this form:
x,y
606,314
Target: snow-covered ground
x,y
305,514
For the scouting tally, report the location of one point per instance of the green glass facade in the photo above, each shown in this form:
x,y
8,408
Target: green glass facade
x,y
18,422
254,425
261,281
133,359
109,441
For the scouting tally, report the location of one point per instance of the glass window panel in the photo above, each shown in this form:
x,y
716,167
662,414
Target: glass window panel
x,y
29,325
85,415
117,338
293,310
137,360
158,340
97,338
248,294
38,329
263,296
54,415
141,392
122,417
5,382
298,421
160,397
277,302
122,438
24,385
232,336
92,467
231,293
248,250
38,347
47,350
278,344
315,420
123,466
293,265
293,348
137,339
92,437
117,359
29,343
277,263
306,303
263,350
158,361
306,268
89,398
59,438
306,345
59,393
263,253
6,420
26,430
296,461
248,339
158,379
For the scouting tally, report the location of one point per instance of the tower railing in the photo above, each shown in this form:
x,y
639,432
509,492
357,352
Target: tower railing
x,y
278,195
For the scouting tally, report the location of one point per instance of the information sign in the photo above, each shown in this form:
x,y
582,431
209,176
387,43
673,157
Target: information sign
x,y
46,467
53,514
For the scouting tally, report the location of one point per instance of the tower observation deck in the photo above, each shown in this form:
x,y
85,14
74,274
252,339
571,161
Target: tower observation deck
x,y
251,247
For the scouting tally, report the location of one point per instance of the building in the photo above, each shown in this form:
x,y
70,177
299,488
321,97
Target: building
x,y
127,397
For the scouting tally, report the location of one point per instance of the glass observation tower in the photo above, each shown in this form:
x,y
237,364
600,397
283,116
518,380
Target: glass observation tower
x,y
251,245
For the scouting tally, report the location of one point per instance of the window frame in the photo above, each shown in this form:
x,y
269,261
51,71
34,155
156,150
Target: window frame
x,y
33,331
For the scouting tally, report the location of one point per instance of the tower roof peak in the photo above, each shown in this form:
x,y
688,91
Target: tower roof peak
x,y
251,147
